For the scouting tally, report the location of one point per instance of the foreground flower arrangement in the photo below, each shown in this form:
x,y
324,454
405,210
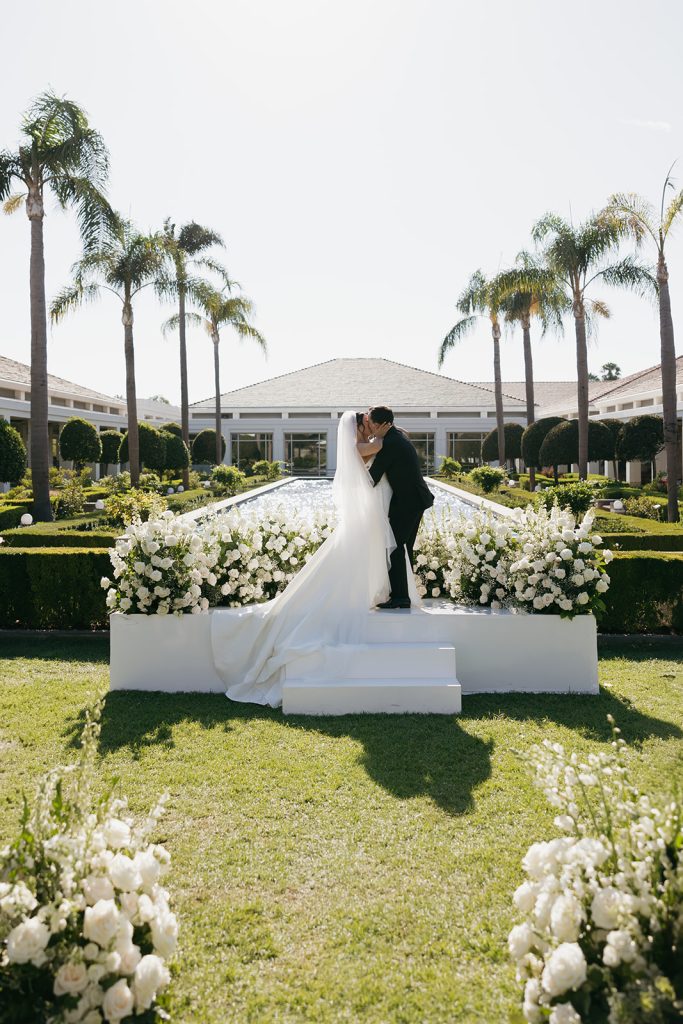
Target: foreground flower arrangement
x,y
85,925
603,904
536,560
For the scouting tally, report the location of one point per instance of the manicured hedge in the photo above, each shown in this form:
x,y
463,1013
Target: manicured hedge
x,y
10,515
35,538
644,541
52,588
646,593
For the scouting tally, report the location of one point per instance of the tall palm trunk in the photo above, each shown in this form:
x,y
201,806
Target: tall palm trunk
x,y
184,401
669,412
40,441
529,385
217,384
498,388
131,399
582,385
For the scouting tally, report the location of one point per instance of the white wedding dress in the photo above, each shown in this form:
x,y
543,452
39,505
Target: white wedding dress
x,y
326,601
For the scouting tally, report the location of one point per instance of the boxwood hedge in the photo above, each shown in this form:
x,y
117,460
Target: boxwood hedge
x,y
646,593
52,588
35,538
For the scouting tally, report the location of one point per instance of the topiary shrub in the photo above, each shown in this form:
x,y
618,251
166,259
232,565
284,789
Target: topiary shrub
x,y
122,509
177,455
270,470
111,443
79,442
561,444
487,478
533,437
646,593
152,447
227,480
52,588
173,428
641,439
12,454
577,497
204,448
513,433
449,468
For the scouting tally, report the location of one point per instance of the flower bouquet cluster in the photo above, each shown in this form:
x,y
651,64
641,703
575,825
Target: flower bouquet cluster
x,y
603,903
560,565
85,925
433,549
477,569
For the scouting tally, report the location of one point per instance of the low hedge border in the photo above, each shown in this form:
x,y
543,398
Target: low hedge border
x,y
10,515
643,541
646,593
52,588
34,538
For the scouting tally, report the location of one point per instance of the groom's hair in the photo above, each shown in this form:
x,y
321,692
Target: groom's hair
x,y
381,414
360,417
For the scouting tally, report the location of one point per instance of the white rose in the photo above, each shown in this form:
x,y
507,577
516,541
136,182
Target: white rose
x,y
151,975
564,1013
601,586
585,547
607,555
566,918
70,979
620,948
118,1001
26,943
539,860
165,933
606,907
101,922
129,904
524,897
117,833
124,873
530,1007
565,969
565,554
520,941
97,887
582,598
94,1017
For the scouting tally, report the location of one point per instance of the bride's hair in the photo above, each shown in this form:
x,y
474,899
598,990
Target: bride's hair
x,y
381,414
360,416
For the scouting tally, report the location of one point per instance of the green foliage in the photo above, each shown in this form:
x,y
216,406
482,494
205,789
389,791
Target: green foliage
x,y
450,468
204,448
79,442
578,497
177,456
52,588
121,509
70,501
227,480
111,443
513,442
116,484
10,515
152,447
38,536
619,491
150,481
533,437
644,509
561,444
614,427
12,454
643,541
172,428
646,593
486,478
269,470
641,438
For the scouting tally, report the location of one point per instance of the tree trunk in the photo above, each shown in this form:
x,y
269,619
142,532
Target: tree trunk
x,y
40,441
582,387
529,382
184,402
498,386
669,411
131,399
217,384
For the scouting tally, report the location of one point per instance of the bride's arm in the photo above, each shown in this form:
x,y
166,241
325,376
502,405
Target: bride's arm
x,y
366,449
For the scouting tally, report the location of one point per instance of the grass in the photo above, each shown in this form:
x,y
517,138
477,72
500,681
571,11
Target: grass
x,y
343,869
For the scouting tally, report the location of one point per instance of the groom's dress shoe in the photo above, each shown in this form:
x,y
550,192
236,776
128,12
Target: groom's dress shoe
x,y
393,603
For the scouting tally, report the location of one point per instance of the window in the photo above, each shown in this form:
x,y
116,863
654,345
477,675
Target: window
x,y
465,447
261,416
80,405
306,454
246,449
424,443
62,402
310,415
411,416
645,402
115,412
472,414
98,408
8,393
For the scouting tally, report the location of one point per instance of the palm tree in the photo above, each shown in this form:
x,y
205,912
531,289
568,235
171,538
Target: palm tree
x,y
184,248
60,152
219,308
641,219
125,263
481,298
526,291
576,258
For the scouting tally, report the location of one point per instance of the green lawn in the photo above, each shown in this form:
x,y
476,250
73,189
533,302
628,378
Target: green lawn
x,y
327,870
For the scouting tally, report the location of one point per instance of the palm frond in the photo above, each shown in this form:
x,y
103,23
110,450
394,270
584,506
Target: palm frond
x,y
10,170
93,212
214,267
14,202
193,238
172,324
599,308
550,223
671,213
636,212
475,296
70,298
628,273
456,334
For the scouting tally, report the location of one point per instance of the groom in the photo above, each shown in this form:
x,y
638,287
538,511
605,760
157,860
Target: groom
x,y
398,459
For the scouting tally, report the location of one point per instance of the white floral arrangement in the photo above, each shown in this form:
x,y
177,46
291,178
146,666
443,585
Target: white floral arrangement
x,y
560,565
603,903
433,549
480,553
85,925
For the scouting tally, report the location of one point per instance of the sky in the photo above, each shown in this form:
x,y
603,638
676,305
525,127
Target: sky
x,y
360,158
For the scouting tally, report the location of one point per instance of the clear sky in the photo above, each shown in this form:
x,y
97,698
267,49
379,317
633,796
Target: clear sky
x,y
360,157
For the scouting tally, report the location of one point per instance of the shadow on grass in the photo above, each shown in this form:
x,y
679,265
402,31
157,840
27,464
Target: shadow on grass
x,y
93,650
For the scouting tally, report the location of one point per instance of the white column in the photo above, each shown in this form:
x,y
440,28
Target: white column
x,y
440,443
633,472
278,444
331,450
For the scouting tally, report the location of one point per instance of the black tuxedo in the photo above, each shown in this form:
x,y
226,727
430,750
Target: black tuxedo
x,y
398,459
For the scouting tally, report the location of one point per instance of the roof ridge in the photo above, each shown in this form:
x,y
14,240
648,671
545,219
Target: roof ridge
x,y
61,380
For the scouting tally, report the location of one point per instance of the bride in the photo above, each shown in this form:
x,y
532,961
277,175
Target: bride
x,y
326,601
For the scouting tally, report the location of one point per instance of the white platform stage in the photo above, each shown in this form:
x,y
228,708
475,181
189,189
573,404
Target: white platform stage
x,y
417,661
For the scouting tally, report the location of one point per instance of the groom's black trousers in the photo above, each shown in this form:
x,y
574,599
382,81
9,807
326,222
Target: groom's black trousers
x,y
405,529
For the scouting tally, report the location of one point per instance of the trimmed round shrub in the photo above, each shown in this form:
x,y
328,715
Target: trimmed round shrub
x,y
450,468
227,480
487,478
534,436
577,497
177,454
79,442
561,444
172,428
111,442
641,438
614,427
152,447
513,442
204,448
12,454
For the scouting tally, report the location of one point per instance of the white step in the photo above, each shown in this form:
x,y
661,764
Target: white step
x,y
388,661
354,696
405,626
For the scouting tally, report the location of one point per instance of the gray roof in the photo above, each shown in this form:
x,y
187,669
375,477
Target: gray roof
x,y
644,380
546,392
359,383
20,373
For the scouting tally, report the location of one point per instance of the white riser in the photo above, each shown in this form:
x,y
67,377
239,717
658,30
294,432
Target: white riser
x,y
349,697
375,661
407,627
